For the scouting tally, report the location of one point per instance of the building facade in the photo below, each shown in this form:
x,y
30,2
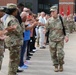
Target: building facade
x,y
44,5
4,2
67,3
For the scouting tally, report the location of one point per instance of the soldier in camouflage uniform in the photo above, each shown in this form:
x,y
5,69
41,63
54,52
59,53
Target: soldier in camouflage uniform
x,y
71,23
56,39
1,37
15,39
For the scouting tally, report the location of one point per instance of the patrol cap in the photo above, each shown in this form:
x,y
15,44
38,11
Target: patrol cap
x,y
54,8
11,6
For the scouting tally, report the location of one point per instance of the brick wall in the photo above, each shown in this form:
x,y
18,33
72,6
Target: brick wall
x,y
4,2
65,4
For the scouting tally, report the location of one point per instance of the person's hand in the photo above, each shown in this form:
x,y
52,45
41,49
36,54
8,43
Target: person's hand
x,y
14,27
35,23
11,28
66,39
3,37
3,32
40,24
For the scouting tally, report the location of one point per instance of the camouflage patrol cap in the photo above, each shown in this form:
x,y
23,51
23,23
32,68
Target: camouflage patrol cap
x,y
54,8
11,6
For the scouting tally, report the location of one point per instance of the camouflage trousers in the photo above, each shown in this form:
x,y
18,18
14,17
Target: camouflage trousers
x,y
14,59
57,53
1,57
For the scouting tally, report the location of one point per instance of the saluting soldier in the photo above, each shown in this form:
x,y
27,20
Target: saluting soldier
x,y
56,38
15,39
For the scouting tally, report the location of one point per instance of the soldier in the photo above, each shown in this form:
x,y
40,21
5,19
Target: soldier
x,y
71,23
2,36
15,39
56,39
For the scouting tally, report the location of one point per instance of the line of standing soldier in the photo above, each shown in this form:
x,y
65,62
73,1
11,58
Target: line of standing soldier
x,y
14,40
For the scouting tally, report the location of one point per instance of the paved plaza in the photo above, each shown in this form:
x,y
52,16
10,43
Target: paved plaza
x,y
41,64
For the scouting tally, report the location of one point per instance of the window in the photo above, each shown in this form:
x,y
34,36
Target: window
x,y
46,4
28,5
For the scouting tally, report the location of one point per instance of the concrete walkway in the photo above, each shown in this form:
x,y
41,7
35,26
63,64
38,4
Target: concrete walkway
x,y
41,64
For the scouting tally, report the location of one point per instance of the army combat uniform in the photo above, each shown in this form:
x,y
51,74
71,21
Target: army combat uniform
x,y
1,46
13,42
56,39
71,24
1,40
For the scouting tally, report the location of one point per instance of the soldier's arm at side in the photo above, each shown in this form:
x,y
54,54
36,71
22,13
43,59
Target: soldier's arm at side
x,y
66,26
67,30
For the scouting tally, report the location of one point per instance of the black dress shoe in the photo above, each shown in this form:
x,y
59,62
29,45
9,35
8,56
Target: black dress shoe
x,y
28,58
42,47
19,70
30,54
32,51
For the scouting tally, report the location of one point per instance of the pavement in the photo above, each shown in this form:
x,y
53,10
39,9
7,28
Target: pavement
x,y
41,64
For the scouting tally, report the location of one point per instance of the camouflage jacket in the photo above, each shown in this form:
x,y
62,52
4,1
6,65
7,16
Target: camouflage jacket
x,y
55,28
15,37
1,28
70,23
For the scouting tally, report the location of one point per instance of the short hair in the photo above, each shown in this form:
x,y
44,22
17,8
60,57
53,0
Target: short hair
x,y
20,4
10,11
23,14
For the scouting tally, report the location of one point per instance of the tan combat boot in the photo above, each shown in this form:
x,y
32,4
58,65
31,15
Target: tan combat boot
x,y
61,68
56,68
